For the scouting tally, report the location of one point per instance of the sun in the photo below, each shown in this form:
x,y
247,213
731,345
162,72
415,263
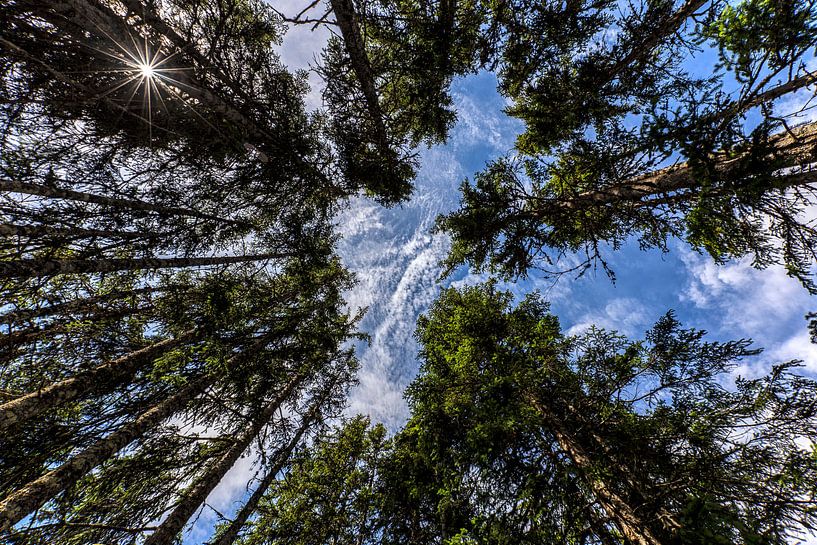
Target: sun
x,y
146,70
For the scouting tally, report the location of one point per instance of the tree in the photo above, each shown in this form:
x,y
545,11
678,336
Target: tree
x,y
535,436
621,141
386,75
330,493
263,343
521,434
166,136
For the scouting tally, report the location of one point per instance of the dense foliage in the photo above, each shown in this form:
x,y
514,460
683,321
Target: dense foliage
x,y
170,301
652,120
521,434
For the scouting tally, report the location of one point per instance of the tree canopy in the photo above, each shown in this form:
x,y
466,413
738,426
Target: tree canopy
x,y
628,133
522,434
171,301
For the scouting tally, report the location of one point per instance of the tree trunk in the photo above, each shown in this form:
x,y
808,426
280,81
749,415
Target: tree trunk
x,y
797,147
41,231
29,498
33,495
632,526
750,102
197,493
29,334
85,305
14,186
34,268
350,30
229,535
103,378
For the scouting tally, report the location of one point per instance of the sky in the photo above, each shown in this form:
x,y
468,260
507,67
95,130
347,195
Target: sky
x,y
396,259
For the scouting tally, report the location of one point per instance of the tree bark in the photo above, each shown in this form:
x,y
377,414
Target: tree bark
x,y
797,147
51,192
29,334
34,268
32,496
36,493
103,378
41,231
229,535
632,526
350,30
85,305
197,493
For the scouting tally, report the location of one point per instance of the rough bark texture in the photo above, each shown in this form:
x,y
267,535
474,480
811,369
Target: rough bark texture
x,y
195,495
14,186
34,268
105,377
796,147
632,526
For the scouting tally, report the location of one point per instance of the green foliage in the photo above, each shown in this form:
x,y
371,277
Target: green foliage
x,y
418,49
328,495
751,31
606,103
520,434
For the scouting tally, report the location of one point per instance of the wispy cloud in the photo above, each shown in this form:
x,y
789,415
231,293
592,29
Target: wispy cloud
x,y
397,259
626,315
746,300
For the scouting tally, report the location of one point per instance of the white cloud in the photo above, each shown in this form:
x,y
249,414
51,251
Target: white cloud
x,y
396,294
765,305
396,260
478,125
800,103
626,315
797,347
747,300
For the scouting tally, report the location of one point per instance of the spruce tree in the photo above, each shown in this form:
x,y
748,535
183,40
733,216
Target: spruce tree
x,y
274,338
622,138
521,434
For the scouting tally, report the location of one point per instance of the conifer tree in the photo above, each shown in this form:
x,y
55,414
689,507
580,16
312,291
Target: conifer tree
x,y
537,436
521,434
330,493
623,139
275,338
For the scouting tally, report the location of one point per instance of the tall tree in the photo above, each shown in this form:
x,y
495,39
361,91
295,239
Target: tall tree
x,y
538,436
256,333
623,140
521,434
330,492
166,135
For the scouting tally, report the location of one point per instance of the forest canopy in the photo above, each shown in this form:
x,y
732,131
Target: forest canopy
x,y
173,307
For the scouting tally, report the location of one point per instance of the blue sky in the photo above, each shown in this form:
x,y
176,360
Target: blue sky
x,y
396,260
